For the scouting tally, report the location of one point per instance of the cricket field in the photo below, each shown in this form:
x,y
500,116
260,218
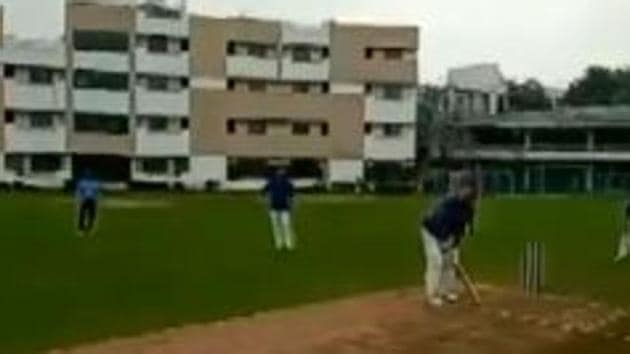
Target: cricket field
x,y
162,261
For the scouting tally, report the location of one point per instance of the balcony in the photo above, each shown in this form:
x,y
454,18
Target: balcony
x,y
398,148
305,71
390,111
252,67
101,144
102,61
165,64
163,103
21,96
162,144
101,101
29,140
174,27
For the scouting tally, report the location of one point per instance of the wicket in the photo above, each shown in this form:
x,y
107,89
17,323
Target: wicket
x,y
533,268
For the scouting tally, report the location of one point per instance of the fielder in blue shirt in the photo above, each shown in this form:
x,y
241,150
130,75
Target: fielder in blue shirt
x,y
280,193
88,192
442,232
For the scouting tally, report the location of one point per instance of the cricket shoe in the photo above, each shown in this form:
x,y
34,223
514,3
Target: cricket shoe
x,y
435,301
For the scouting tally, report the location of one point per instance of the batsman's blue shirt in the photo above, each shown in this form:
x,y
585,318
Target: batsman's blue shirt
x,y
449,219
88,189
279,190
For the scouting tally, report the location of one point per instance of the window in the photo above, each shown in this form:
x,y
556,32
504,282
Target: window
x,y
185,45
157,83
369,53
9,117
160,11
325,130
257,128
301,54
368,89
392,92
155,166
101,41
41,120
231,126
231,84
368,128
392,130
45,163
40,76
9,71
325,52
184,82
157,44
90,79
257,50
15,163
301,129
325,87
257,86
231,48
96,123
182,165
184,124
158,124
393,54
301,88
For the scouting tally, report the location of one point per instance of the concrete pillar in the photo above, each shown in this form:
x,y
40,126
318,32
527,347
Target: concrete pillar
x,y
528,140
590,178
27,165
590,143
527,179
493,108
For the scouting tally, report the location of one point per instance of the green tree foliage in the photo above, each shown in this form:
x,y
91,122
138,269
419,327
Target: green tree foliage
x,y
528,96
600,86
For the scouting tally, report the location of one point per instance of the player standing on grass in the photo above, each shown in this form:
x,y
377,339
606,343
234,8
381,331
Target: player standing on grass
x,y
280,193
624,244
442,232
88,193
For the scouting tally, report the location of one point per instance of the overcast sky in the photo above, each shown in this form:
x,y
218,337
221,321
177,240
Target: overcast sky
x,y
553,40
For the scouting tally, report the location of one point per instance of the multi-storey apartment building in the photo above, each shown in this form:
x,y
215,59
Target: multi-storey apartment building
x,y
142,92
565,150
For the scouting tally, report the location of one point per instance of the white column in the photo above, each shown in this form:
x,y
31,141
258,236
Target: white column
x,y
528,140
493,104
27,165
590,178
590,143
527,183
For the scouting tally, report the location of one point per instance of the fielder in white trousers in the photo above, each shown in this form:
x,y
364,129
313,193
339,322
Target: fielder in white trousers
x,y
282,227
440,275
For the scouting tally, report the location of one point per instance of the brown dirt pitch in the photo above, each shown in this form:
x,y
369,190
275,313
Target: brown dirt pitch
x,y
399,322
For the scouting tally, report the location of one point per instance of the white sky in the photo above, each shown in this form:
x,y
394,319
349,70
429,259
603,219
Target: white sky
x,y
553,40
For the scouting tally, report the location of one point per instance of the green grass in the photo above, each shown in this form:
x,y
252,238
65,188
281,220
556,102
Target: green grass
x,y
206,258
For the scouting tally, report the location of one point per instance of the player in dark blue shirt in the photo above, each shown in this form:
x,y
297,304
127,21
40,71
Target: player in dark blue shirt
x,y
442,231
280,193
88,192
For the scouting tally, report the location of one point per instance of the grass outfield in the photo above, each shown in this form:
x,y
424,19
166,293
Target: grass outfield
x,y
193,258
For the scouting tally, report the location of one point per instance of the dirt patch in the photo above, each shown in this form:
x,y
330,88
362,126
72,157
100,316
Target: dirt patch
x,y
394,322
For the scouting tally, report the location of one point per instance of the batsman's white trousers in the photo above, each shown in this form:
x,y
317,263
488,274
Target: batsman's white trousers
x,y
440,274
282,227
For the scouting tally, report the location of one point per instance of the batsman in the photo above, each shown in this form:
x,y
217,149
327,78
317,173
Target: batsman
x,y
443,229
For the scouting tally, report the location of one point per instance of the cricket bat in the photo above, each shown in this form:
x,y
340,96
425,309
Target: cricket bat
x,y
468,283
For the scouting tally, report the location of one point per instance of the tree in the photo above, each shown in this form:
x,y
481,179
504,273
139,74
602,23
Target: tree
x,y
600,86
528,96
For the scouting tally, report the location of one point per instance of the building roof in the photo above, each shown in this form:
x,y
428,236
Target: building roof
x,y
480,77
572,117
